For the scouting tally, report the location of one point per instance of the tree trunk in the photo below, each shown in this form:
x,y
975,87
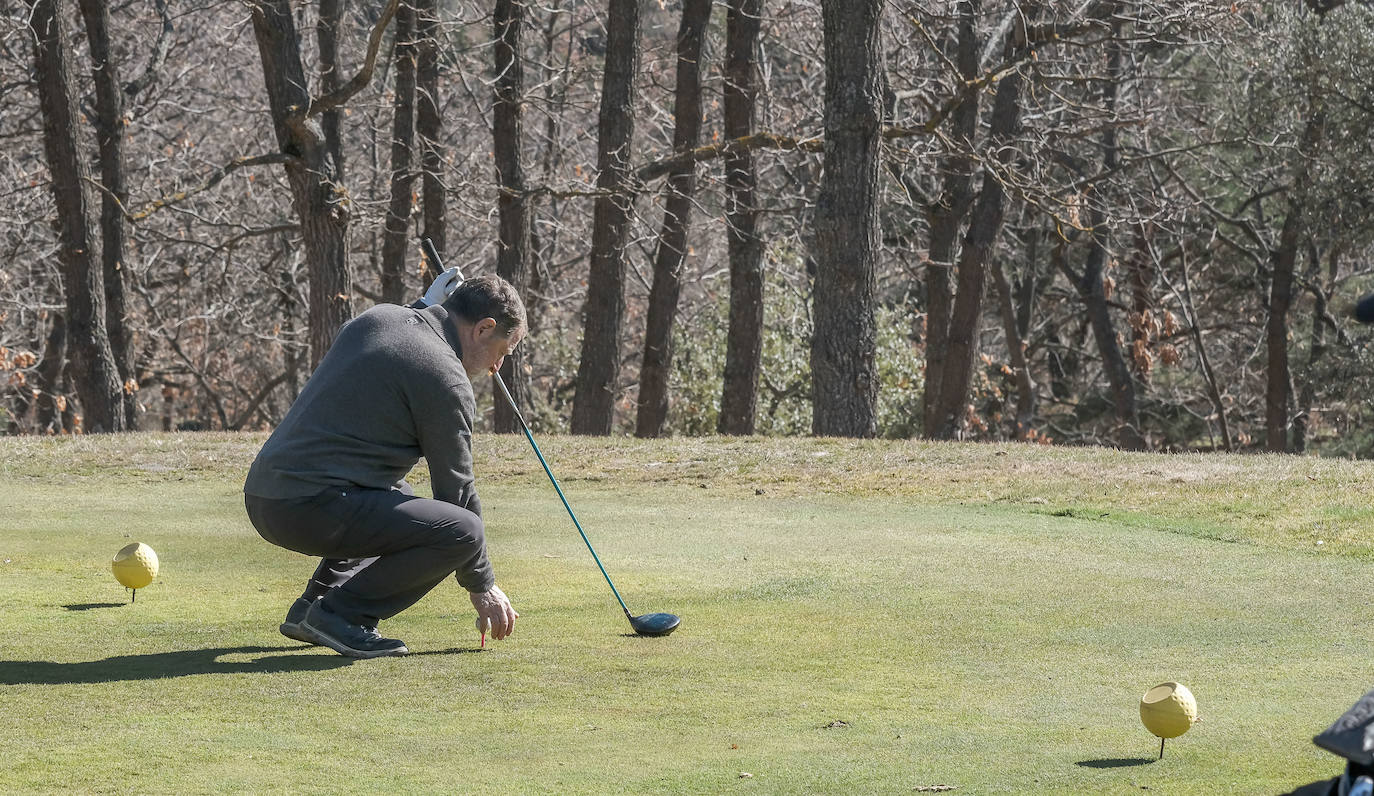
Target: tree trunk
x,y
291,353
429,128
47,415
1204,362
513,205
327,37
1091,287
744,343
69,422
1143,335
1302,419
554,69
985,225
598,370
1307,393
109,129
394,239
1016,349
1276,393
318,198
945,217
843,350
1093,293
672,241
1278,379
96,375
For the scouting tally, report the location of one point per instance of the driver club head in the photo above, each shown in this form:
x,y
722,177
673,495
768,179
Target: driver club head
x,y
654,624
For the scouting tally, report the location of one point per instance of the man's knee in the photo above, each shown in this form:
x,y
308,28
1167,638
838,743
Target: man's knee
x,y
460,529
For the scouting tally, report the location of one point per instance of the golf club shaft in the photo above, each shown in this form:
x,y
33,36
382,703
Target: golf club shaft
x,y
427,246
502,384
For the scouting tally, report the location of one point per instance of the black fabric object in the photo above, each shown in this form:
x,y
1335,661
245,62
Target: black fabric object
x,y
1352,735
1364,309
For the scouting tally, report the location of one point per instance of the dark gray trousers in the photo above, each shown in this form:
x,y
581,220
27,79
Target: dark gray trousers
x,y
382,550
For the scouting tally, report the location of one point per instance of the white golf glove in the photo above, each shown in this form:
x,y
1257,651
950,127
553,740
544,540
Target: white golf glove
x,y
443,285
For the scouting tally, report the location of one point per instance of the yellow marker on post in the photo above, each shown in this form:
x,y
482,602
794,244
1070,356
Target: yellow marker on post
x,y
1168,710
134,567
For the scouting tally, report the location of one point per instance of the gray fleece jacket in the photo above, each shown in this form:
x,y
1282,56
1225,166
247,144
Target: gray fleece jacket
x,y
391,389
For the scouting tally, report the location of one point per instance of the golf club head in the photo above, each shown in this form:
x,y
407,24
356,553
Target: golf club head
x,y
654,624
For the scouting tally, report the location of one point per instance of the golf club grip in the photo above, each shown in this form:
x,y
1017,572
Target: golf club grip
x,y
427,246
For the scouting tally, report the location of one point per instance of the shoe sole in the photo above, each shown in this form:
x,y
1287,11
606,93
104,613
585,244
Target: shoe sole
x,y
294,631
314,636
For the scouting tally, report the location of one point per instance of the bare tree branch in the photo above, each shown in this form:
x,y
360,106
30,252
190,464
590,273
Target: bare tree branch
x,y
211,181
335,99
161,47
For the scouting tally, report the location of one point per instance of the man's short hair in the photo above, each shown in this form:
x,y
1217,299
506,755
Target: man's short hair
x,y
488,296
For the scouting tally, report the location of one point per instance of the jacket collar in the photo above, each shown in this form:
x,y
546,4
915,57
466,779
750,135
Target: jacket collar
x,y
444,324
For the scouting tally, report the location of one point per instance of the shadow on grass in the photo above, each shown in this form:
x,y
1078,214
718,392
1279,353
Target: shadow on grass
x,y
1324,787
1115,762
159,665
89,606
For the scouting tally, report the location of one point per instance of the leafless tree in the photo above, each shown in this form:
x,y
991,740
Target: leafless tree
x,y
843,346
679,193
95,370
604,316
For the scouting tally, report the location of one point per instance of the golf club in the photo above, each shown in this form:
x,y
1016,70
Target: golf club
x,y
645,624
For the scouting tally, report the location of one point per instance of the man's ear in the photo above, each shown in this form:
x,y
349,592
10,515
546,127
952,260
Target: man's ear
x,y
485,326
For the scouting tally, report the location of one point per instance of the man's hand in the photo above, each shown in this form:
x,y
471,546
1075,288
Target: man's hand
x,y
493,606
443,285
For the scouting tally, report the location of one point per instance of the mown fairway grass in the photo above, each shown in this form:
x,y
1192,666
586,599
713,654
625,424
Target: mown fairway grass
x,y
858,617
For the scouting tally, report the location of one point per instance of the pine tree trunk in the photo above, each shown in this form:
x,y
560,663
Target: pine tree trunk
x,y
985,224
47,416
95,372
1307,396
429,129
327,38
1016,350
1277,377
513,206
672,240
843,349
598,370
109,128
1278,387
1092,288
395,241
744,343
317,195
946,216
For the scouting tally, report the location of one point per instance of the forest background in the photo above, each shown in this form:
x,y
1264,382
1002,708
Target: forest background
x,y
1138,224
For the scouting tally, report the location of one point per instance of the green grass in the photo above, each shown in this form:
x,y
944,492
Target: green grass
x,y
858,617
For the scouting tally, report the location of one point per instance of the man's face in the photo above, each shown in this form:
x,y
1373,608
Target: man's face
x,y
488,347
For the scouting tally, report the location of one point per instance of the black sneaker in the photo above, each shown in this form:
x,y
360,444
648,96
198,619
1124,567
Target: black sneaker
x,y
333,631
291,628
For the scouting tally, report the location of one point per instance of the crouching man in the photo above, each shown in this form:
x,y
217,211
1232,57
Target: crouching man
x,y
329,482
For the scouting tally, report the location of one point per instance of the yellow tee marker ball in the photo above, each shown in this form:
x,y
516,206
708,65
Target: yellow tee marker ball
x,y
135,566
1168,710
